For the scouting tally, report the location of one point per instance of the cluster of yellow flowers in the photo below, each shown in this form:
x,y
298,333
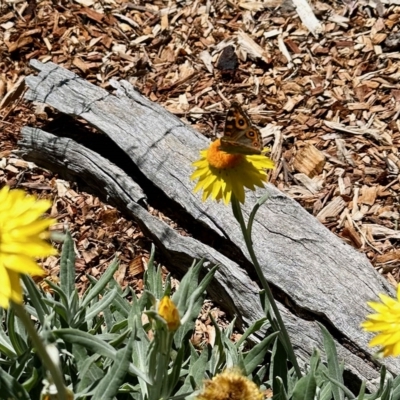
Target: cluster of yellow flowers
x,y
24,237
230,384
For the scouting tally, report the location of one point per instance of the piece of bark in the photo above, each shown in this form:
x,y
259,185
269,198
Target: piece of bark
x,y
14,93
309,160
350,232
388,257
332,210
315,272
232,286
368,195
251,48
307,16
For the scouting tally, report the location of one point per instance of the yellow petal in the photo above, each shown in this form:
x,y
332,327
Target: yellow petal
x,y
22,264
220,174
22,229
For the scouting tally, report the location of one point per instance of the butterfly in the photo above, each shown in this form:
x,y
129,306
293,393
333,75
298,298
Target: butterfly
x,y
240,135
228,62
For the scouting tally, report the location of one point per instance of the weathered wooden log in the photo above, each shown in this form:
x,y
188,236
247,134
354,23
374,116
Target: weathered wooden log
x,y
315,275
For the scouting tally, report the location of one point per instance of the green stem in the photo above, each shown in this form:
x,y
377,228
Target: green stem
x,y
53,369
283,334
163,344
165,389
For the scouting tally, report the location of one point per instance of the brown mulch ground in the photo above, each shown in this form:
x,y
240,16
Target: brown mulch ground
x,y
328,105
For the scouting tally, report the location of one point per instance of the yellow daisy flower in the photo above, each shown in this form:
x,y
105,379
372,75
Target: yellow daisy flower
x,y
230,385
22,234
167,309
221,174
387,322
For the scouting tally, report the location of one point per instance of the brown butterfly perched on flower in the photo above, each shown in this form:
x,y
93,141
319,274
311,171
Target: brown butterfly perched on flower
x,y
240,135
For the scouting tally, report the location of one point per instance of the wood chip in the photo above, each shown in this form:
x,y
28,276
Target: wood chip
x,y
368,195
309,160
332,210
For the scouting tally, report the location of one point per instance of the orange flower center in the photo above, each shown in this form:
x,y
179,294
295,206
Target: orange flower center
x,y
221,160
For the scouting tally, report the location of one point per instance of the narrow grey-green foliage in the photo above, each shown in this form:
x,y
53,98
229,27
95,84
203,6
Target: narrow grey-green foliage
x,y
196,371
67,274
109,386
11,388
279,389
39,307
278,368
153,278
256,355
17,334
252,329
396,391
335,372
109,350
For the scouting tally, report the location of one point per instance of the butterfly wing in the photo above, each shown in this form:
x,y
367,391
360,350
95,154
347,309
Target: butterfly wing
x,y
240,136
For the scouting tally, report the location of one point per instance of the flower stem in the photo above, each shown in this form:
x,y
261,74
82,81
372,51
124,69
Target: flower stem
x,y
53,369
283,334
158,366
